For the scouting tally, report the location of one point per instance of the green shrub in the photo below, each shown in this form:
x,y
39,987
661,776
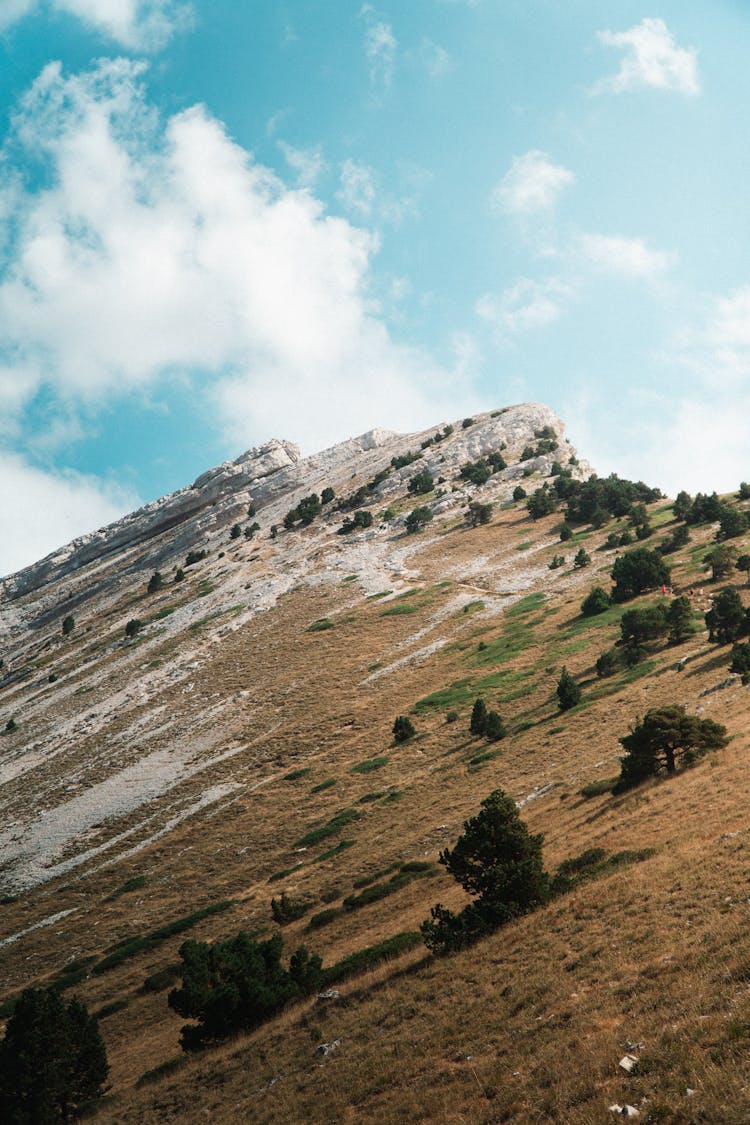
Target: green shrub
x,y
417,519
133,626
161,979
370,764
369,958
334,825
403,729
568,691
68,625
597,601
287,909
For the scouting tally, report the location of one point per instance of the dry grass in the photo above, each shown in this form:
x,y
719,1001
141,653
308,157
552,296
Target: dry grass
x,y
529,1025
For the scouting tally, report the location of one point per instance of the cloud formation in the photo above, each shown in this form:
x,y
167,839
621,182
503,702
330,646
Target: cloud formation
x,y
525,306
629,257
532,185
64,505
140,25
380,48
161,250
651,60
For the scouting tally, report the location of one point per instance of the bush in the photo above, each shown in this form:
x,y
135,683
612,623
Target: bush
x,y
663,738
194,557
403,729
494,727
582,559
479,513
133,626
361,520
597,601
478,723
68,625
327,495
500,862
417,519
155,582
404,459
566,532
519,492
541,503
556,562
466,423
720,561
287,909
421,483
179,575
52,1059
568,692
237,984
236,531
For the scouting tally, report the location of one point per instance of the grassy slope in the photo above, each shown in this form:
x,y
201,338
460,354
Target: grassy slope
x,y
530,1024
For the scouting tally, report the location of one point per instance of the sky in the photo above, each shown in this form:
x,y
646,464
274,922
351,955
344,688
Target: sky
x,y
223,222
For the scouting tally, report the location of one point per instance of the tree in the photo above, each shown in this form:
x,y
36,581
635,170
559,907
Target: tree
x,y
236,531
237,984
744,492
494,727
417,519
519,492
179,575
646,624
732,523
403,729
680,620
361,519
68,625
566,532
607,663
327,495
155,582
741,662
478,723
582,558
479,513
52,1059
726,619
637,571
682,505
421,483
743,564
568,691
597,601
500,862
133,626
664,738
541,503
308,508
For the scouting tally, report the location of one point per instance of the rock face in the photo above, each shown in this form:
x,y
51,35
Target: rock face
x,y
269,471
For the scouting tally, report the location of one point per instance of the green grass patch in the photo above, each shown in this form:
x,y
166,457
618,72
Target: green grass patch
x,y
334,825
372,956
351,578
471,607
295,775
133,884
283,873
320,625
399,609
479,760
380,594
594,863
526,605
342,846
129,947
598,788
374,667
525,545
327,784
507,685
370,764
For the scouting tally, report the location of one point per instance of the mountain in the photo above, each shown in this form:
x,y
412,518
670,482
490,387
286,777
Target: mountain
x,y
235,745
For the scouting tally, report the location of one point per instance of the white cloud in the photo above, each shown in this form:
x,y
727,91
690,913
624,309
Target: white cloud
x,y
13,10
718,351
380,48
651,60
64,505
140,25
357,191
157,250
532,184
525,306
437,61
307,163
630,257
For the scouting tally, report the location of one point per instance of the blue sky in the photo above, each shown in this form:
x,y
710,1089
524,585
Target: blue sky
x,y
225,222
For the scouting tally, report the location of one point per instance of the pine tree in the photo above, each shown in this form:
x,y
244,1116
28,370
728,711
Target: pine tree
x,y
568,691
478,724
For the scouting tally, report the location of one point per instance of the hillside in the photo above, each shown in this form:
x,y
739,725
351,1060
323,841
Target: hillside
x,y
238,745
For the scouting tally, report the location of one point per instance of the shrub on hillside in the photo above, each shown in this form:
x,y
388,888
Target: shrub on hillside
x,y
497,860
665,738
568,691
403,729
597,601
